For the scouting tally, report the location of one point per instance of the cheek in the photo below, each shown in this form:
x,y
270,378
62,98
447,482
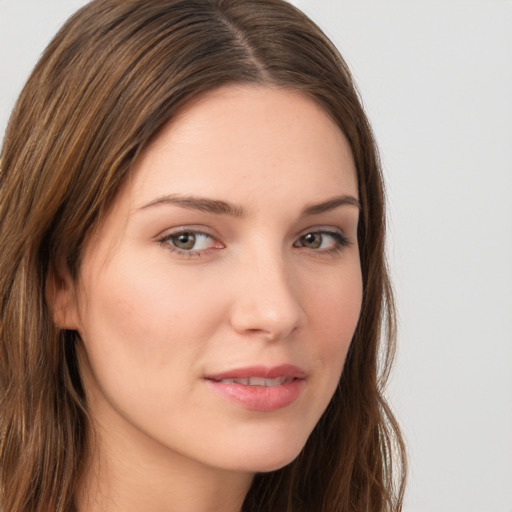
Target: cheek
x,y
143,316
333,314
143,334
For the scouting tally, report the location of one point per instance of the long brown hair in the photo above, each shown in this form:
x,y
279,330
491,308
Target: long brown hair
x,y
110,79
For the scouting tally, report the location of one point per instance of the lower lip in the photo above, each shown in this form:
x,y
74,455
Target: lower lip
x,y
261,398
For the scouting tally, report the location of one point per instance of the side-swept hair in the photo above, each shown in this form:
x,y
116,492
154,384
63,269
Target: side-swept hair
x,y
111,78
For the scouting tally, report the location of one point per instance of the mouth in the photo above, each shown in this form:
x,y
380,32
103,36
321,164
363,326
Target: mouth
x,y
257,381
260,388
260,375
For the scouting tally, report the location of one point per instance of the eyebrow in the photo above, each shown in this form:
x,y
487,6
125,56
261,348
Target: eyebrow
x,y
202,204
330,204
219,207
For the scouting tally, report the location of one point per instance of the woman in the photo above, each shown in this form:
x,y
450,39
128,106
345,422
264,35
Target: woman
x,y
193,279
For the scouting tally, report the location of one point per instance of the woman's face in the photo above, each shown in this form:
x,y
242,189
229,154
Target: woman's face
x,y
218,299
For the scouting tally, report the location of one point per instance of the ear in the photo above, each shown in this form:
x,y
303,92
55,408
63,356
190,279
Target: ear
x,y
61,296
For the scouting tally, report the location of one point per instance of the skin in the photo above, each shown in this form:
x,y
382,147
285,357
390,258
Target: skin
x,y
254,290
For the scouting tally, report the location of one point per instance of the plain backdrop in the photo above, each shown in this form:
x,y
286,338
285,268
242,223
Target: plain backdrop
x,y
436,81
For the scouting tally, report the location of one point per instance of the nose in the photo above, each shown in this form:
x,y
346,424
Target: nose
x,y
267,300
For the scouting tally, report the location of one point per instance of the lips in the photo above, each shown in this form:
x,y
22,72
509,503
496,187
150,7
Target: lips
x,y
288,371
257,381
260,388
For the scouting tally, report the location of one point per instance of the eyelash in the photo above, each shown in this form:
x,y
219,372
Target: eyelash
x,y
340,239
167,242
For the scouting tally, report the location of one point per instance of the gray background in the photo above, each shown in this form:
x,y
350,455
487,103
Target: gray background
x,y
436,80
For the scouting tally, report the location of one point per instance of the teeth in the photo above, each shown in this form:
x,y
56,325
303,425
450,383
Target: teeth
x,y
257,381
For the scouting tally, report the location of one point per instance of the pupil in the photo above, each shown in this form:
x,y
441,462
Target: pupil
x,y
185,241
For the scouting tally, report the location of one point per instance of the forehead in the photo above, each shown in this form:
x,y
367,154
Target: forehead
x,y
239,138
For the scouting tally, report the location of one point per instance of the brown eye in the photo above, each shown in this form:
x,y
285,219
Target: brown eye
x,y
190,242
323,241
183,241
311,240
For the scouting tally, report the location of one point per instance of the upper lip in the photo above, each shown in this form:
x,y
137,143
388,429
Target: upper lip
x,y
267,372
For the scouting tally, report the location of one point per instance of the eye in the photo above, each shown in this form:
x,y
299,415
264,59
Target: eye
x,y
323,241
190,242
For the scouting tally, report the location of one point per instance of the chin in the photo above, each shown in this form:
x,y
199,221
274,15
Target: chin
x,y
264,457
274,465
